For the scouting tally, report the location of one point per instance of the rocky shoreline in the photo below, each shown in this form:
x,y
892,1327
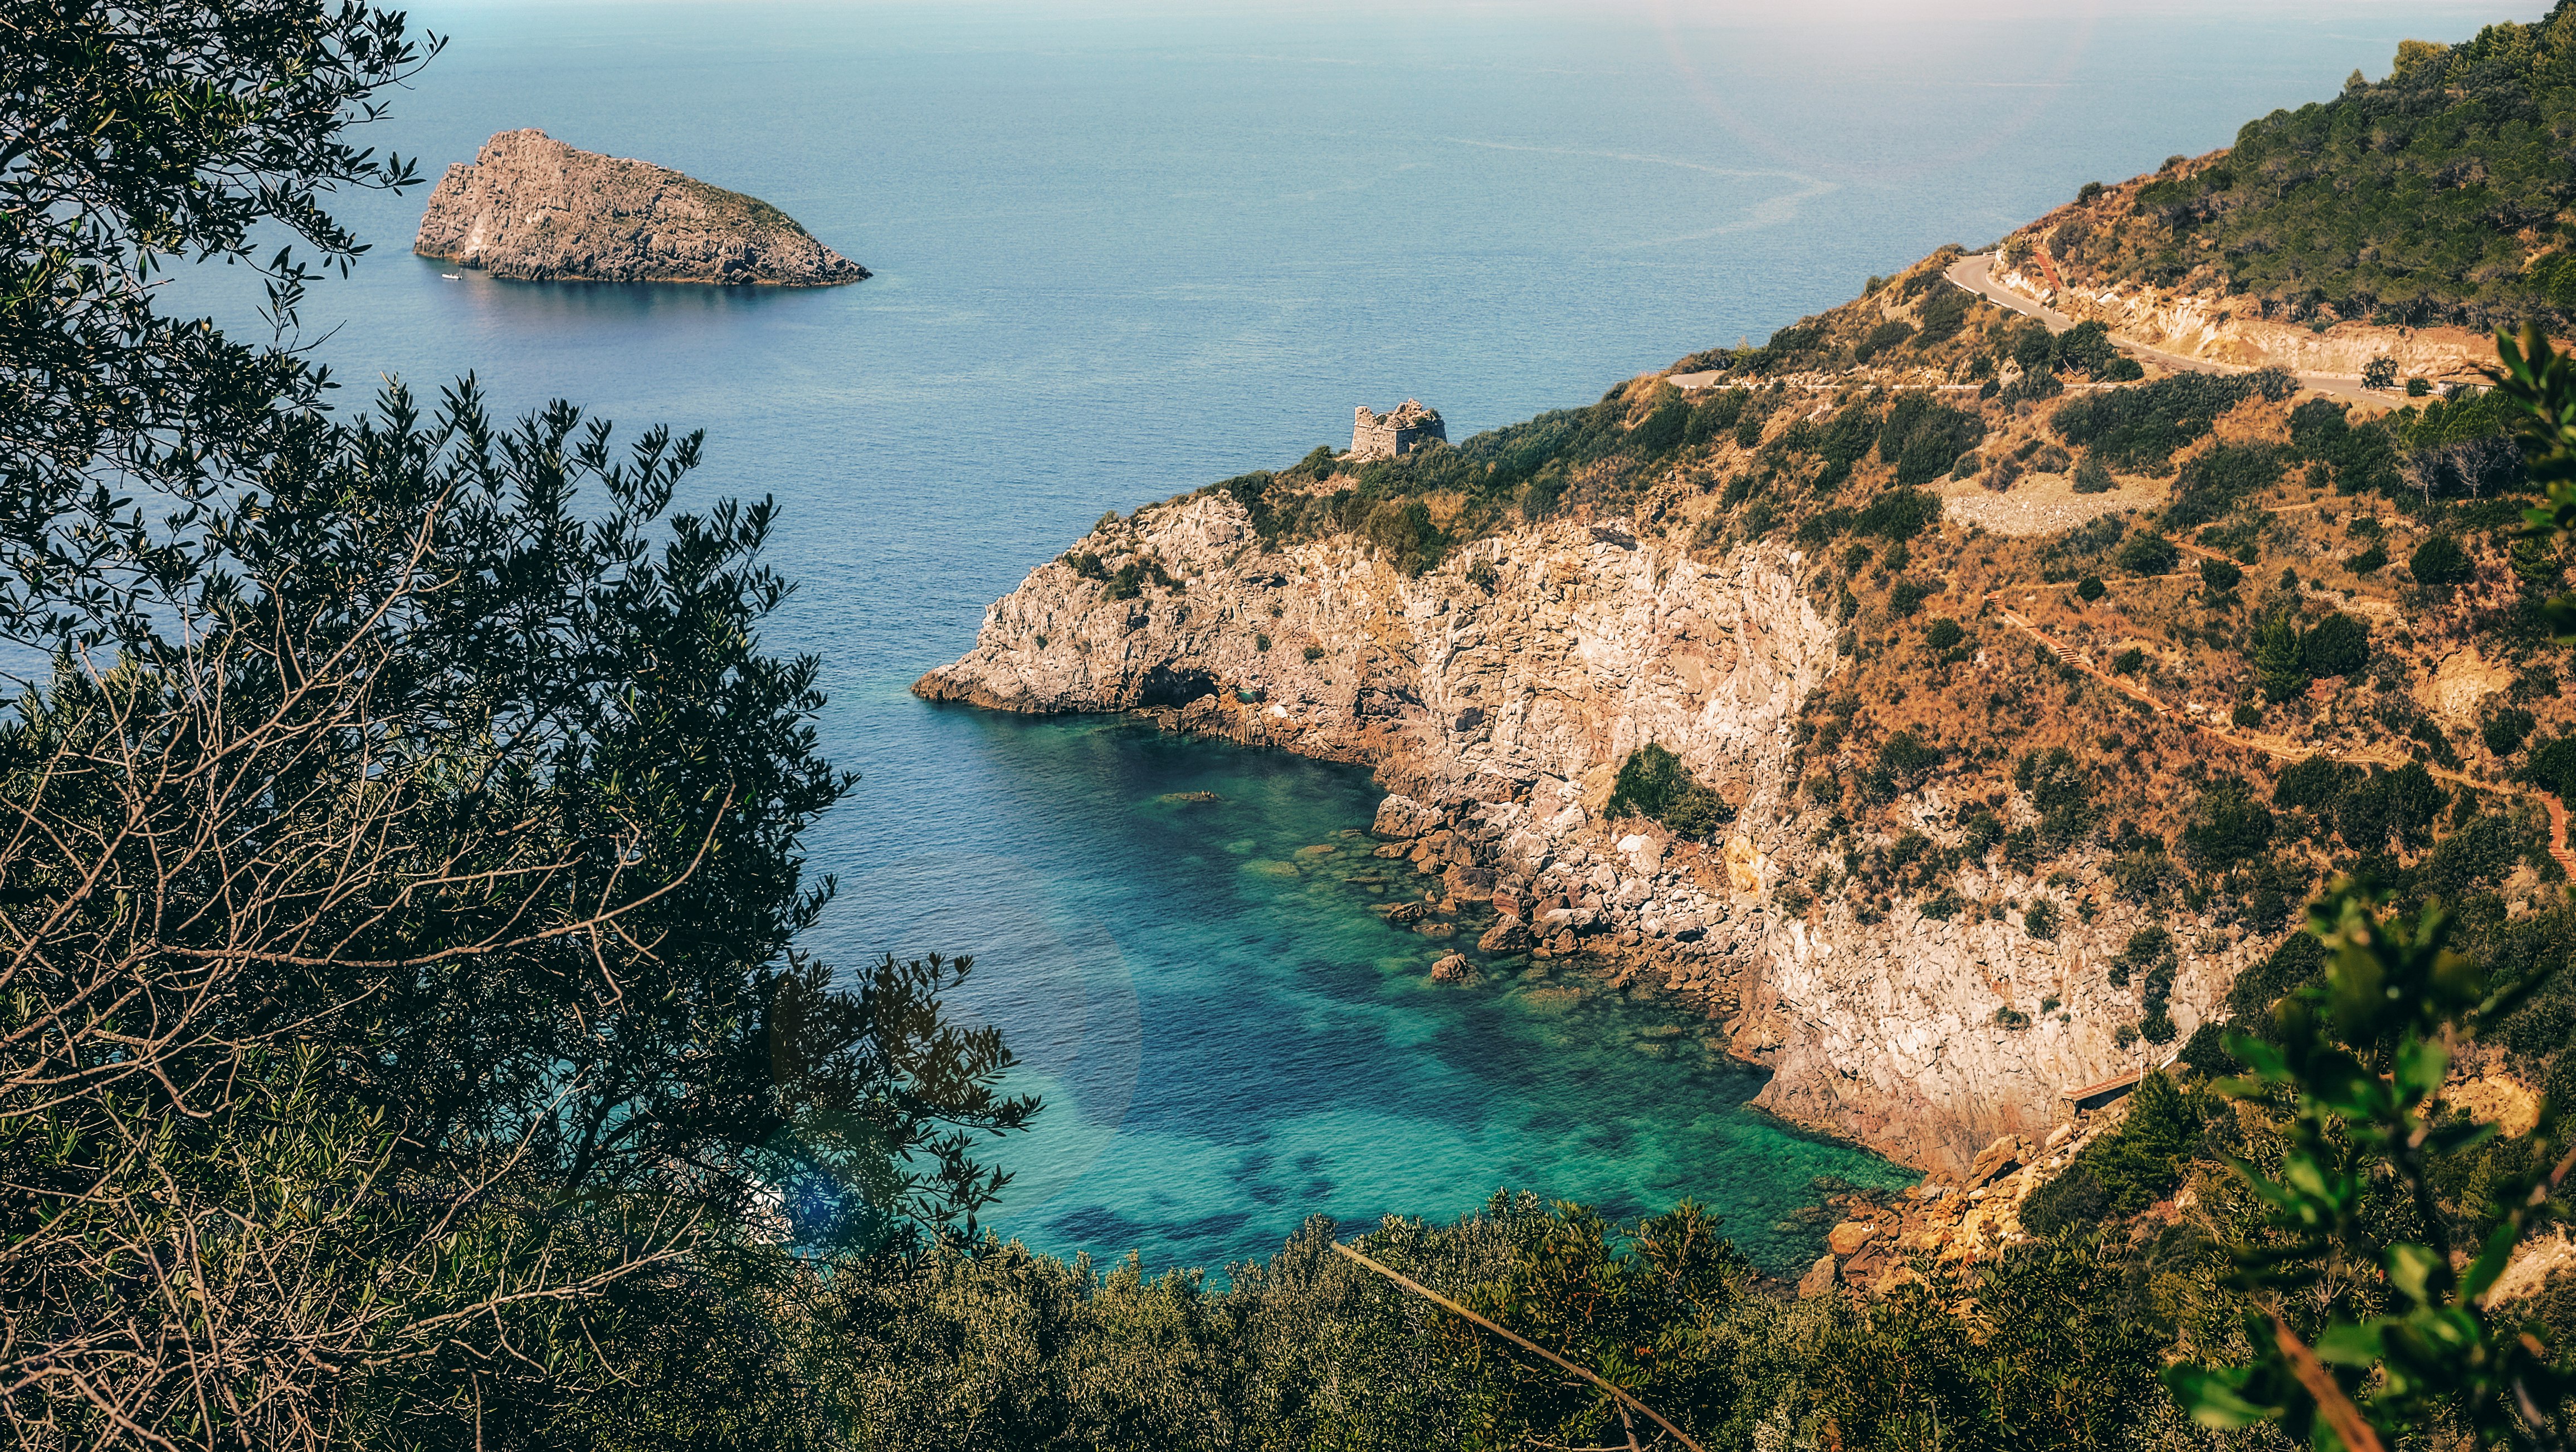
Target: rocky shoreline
x,y
1496,694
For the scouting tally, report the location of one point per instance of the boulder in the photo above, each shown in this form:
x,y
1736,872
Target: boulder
x,y
1848,1237
1820,1279
1468,881
1507,936
1452,968
2005,1155
1402,816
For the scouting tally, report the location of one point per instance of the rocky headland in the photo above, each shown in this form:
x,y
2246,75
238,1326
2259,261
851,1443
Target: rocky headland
x,y
1496,694
531,208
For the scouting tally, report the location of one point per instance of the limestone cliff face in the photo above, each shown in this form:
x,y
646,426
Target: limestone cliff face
x,y
1498,692
531,208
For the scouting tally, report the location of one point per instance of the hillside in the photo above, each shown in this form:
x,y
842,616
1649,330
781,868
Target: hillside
x,y
2120,667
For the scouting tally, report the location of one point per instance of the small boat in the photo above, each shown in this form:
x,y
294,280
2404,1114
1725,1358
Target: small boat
x,y
452,276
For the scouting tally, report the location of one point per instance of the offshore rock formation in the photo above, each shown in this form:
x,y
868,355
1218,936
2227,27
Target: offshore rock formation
x,y
1497,693
531,208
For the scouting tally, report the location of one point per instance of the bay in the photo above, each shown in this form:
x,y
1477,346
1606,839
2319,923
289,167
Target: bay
x,y
1122,251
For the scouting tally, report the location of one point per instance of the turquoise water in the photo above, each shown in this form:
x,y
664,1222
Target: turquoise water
x,y
1124,251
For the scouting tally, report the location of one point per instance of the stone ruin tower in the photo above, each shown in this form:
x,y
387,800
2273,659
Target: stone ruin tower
x,y
1385,435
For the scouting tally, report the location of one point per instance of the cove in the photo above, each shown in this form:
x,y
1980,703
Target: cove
x,y
1180,947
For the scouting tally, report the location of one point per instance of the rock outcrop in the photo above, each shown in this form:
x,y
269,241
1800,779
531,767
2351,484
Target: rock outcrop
x,y
1496,695
531,208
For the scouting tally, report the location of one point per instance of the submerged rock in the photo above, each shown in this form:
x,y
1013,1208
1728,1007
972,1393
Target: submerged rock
x,y
531,208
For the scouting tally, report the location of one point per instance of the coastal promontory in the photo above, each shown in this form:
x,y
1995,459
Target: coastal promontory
x,y
531,208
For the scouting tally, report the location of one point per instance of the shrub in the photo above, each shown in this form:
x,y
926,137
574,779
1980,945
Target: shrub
x,y
1654,784
2380,372
2141,428
2090,589
2149,554
2316,784
2369,561
2338,645
2128,661
1402,532
2506,730
2059,791
1907,596
1943,633
2123,369
1881,338
1260,642
2092,478
2279,664
2227,825
2419,387
1314,652
2246,714
1899,514
2402,804
2214,482
2040,919
2089,193
2439,561
2009,1017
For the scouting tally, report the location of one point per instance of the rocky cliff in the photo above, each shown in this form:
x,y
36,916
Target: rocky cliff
x,y
1497,692
530,207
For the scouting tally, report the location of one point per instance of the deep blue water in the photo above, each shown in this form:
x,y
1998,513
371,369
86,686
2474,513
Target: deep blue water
x,y
1121,252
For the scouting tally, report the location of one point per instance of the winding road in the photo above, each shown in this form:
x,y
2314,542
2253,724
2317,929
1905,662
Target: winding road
x,y
1975,273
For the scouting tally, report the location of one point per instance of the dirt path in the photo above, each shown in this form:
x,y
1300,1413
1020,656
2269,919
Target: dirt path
x,y
2281,749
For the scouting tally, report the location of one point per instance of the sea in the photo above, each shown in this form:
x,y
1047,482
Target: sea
x,y
1123,250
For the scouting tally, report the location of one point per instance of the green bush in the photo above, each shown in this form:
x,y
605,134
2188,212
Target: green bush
x,y
2092,478
2012,1018
1653,783
2504,731
2279,666
2227,825
2090,589
1403,533
2149,554
2418,387
2379,372
2369,561
2218,576
1314,652
1907,596
2128,661
2439,561
2060,790
1943,633
2338,645
1878,340
2316,783
2040,919
2246,714
2214,482
2141,429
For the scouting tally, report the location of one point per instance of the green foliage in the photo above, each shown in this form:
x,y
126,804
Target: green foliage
x,y
2359,1058
2316,783
2407,199
2439,561
2091,477
2149,553
2213,482
2379,372
2142,428
2129,1169
1904,597
2402,804
2227,825
1653,783
2060,791
1943,633
2040,919
1881,338
2506,729
1899,514
1923,439
2338,645
2219,576
1404,536
2279,669
2090,589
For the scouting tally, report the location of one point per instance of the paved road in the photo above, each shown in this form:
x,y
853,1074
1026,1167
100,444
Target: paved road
x,y
1974,274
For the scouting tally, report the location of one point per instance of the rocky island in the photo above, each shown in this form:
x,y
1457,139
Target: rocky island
x,y
531,208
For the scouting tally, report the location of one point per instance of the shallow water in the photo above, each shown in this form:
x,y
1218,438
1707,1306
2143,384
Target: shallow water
x,y
1122,252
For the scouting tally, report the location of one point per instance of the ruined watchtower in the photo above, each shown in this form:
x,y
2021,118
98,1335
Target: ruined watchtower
x,y
1385,435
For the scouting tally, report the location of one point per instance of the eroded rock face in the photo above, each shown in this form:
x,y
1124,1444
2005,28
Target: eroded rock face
x,y
1496,695
531,208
